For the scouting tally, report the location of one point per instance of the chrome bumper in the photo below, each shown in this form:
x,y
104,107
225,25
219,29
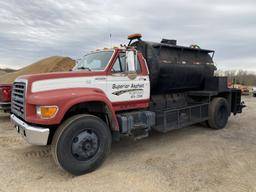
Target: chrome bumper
x,y
32,134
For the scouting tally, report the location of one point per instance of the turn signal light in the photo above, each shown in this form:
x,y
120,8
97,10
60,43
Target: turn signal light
x,y
47,112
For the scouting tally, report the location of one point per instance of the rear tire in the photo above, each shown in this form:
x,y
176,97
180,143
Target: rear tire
x,y
81,144
218,113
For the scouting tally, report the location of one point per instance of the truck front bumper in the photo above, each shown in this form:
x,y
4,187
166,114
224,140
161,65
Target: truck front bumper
x,y
32,134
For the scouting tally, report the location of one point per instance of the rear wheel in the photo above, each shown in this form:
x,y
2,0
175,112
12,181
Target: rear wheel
x,y
81,144
218,113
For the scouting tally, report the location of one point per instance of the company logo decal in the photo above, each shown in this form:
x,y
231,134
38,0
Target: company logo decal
x,y
134,90
117,93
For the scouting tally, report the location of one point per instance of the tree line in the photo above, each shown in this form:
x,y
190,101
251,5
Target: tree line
x,y
239,76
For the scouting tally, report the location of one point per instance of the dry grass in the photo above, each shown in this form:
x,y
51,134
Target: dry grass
x,y
47,65
2,73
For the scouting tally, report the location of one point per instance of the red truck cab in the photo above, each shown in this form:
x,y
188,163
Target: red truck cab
x,y
43,91
5,97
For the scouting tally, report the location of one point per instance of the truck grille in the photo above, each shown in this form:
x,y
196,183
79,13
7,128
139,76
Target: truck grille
x,y
18,99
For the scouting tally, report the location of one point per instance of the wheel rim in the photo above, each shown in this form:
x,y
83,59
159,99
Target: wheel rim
x,y
85,145
222,115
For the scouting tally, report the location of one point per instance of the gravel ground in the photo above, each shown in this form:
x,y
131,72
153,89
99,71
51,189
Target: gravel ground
x,y
189,159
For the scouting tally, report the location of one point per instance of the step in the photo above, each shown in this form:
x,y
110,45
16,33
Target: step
x,y
139,133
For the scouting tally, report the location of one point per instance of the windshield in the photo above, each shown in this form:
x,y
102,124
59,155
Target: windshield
x,y
94,62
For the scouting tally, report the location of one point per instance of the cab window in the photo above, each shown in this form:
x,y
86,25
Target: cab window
x,y
120,64
137,64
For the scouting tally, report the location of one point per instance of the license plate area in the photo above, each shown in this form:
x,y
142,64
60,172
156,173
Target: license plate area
x,y
20,130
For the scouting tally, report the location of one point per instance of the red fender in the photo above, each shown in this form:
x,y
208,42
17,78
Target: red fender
x,y
65,99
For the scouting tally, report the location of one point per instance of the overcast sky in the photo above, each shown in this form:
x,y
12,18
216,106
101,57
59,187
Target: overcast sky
x,y
33,29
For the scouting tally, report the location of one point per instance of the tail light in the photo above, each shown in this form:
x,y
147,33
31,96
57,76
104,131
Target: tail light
x,y
5,94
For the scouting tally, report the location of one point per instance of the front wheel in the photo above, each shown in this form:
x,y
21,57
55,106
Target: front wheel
x,y
81,144
218,113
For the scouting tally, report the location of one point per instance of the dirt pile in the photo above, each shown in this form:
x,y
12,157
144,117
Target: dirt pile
x,y
47,65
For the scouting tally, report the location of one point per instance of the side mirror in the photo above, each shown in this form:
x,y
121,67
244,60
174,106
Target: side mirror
x,y
130,59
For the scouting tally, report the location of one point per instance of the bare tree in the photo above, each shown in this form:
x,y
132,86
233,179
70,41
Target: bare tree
x,y
239,77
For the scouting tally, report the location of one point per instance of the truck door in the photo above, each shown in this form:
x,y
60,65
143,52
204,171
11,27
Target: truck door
x,y
126,82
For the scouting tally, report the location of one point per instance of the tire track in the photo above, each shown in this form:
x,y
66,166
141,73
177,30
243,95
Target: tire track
x,y
17,149
26,154
40,153
10,141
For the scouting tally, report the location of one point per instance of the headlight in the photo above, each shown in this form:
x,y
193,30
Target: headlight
x,y
46,112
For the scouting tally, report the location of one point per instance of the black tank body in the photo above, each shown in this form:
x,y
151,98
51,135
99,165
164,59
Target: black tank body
x,y
176,68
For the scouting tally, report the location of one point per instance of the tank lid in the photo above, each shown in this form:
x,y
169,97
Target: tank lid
x,y
169,41
179,47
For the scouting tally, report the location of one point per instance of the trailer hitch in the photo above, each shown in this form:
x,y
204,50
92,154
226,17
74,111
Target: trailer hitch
x,y
240,108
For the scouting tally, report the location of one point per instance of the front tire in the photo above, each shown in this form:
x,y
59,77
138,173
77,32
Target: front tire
x,y
218,113
81,144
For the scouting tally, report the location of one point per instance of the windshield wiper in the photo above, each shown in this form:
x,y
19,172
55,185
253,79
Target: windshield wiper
x,y
83,68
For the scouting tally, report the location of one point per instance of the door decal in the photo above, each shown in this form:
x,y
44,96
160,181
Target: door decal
x,y
134,90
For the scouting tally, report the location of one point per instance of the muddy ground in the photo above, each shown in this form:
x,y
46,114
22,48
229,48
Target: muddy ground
x,y
189,159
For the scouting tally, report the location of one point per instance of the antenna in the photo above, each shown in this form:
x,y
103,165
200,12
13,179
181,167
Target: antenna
x,y
110,38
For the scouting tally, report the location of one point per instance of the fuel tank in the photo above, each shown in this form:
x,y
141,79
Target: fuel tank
x,y
176,68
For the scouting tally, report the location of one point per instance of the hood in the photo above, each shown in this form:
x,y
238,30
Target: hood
x,y
61,80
